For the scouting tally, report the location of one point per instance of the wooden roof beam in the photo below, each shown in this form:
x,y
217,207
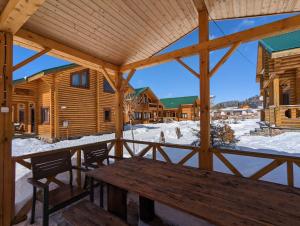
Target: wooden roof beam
x,y
16,13
30,59
274,28
126,81
63,51
187,67
108,78
224,59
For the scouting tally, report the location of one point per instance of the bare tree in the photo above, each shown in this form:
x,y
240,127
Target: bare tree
x,y
130,103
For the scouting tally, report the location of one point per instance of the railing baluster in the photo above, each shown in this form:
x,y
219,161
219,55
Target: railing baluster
x,y
154,152
78,168
290,173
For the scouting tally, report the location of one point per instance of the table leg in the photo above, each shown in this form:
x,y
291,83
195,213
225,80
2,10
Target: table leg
x,y
117,201
147,213
91,179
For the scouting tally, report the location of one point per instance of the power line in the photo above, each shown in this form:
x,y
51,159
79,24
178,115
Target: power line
x,y
221,30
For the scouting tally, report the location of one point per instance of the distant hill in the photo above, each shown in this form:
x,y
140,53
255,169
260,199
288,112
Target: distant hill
x,y
252,102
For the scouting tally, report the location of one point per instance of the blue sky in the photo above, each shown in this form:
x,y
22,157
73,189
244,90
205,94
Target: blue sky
x,y
235,80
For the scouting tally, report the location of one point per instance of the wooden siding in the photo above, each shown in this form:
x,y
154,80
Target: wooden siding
x,y
82,108
21,98
44,100
287,70
78,106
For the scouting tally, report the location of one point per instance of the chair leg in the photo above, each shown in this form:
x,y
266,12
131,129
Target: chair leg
x,y
85,182
101,194
33,206
46,208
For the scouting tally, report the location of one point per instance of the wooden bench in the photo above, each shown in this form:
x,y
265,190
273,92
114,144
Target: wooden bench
x,y
88,214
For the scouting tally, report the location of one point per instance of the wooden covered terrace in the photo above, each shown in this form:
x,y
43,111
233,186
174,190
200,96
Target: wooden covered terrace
x,y
119,37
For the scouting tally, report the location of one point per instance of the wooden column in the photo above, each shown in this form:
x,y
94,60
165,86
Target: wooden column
x,y
119,115
276,101
276,92
6,170
205,158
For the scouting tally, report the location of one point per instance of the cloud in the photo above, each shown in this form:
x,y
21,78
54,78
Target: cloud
x,y
245,23
169,95
212,36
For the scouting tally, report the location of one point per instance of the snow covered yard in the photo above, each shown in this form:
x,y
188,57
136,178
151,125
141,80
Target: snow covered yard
x,y
285,144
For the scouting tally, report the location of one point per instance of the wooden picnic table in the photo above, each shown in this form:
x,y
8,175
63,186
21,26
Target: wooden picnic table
x,y
219,198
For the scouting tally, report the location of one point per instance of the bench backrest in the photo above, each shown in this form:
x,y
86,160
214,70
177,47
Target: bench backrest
x,y
95,154
50,165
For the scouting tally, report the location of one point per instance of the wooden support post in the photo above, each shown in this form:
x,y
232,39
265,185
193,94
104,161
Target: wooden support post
x,y
6,163
119,115
205,155
276,100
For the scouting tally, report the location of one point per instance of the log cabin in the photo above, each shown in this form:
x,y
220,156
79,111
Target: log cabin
x,y
145,105
62,102
181,108
278,72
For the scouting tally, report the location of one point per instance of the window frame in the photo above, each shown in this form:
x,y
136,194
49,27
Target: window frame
x,y
81,73
44,122
105,82
104,116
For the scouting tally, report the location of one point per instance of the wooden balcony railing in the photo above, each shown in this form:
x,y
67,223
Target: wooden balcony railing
x,y
284,116
172,153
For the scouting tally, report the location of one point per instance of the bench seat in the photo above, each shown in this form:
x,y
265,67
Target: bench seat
x,y
88,214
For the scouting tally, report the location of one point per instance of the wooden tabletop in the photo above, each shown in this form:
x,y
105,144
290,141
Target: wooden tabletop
x,y
219,198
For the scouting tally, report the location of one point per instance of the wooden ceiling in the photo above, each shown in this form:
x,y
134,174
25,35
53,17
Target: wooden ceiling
x,y
125,31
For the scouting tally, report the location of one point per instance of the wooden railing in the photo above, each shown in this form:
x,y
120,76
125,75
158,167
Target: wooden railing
x,y
150,150
287,116
188,155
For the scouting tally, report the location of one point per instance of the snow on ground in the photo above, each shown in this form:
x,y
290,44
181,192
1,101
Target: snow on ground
x,y
287,143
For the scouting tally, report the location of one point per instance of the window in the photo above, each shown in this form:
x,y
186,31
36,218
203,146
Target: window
x,y
184,115
107,115
45,115
107,87
137,115
146,115
80,79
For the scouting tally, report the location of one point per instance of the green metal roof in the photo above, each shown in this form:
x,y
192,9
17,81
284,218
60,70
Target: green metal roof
x,y
45,71
139,91
178,101
282,42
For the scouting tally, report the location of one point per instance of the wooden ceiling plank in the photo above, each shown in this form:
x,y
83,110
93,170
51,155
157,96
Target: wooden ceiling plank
x,y
30,59
54,25
65,19
128,22
49,43
112,26
224,59
16,13
274,28
188,67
